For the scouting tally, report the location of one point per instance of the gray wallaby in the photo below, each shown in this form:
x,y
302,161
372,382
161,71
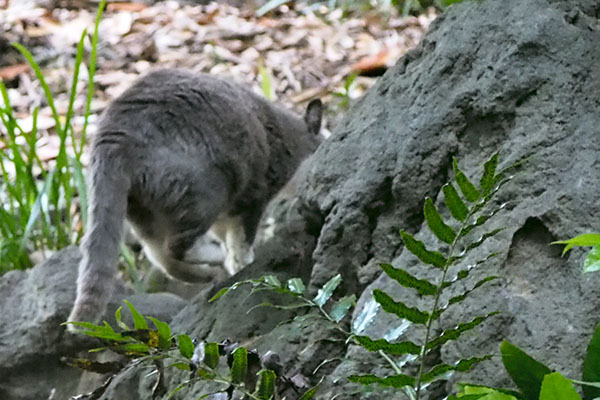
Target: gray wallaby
x,y
176,154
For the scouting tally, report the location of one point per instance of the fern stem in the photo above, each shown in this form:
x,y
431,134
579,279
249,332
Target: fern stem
x,y
393,364
437,300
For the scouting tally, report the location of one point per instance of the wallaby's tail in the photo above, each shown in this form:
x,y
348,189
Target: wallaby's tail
x,y
109,185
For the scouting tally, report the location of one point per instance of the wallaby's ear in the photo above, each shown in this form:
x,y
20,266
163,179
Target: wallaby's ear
x,y
314,112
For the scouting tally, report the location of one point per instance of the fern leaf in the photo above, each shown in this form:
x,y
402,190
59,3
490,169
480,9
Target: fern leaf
x,y
422,286
455,333
488,180
396,349
482,219
459,298
440,370
464,273
436,223
484,238
411,314
396,381
417,247
466,187
310,393
457,207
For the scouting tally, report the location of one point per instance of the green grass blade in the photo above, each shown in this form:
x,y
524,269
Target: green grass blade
x,y
395,349
35,213
400,309
40,76
466,187
422,286
78,60
91,75
457,207
79,180
525,372
418,249
436,223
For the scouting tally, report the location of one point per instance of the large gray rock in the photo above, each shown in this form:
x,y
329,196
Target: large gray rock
x,y
519,77
34,303
516,76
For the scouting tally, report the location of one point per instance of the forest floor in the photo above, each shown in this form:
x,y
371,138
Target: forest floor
x,y
291,54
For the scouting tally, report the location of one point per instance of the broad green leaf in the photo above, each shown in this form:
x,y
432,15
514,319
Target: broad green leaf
x,y
164,333
132,348
396,381
466,187
457,207
468,397
422,286
310,393
439,371
341,308
525,372
327,290
470,388
139,322
455,333
488,180
296,285
239,368
591,366
219,294
487,393
265,387
180,365
271,280
436,223
211,355
411,314
186,346
557,387
395,349
418,249
587,239
592,261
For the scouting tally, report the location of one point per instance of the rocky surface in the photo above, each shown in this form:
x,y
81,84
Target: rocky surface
x,y
34,303
519,77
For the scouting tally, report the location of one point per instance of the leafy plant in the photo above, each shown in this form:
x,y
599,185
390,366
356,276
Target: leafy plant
x,y
332,312
536,381
592,260
468,214
344,94
242,370
37,207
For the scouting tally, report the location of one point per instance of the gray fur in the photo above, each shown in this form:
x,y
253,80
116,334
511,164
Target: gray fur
x,y
176,154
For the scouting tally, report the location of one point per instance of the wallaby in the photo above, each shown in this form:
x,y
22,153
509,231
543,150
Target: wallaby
x,y
176,154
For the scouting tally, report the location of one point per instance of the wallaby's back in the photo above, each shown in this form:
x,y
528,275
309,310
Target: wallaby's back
x,y
176,153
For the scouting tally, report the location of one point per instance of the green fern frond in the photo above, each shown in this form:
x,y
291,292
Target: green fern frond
x,y
469,210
